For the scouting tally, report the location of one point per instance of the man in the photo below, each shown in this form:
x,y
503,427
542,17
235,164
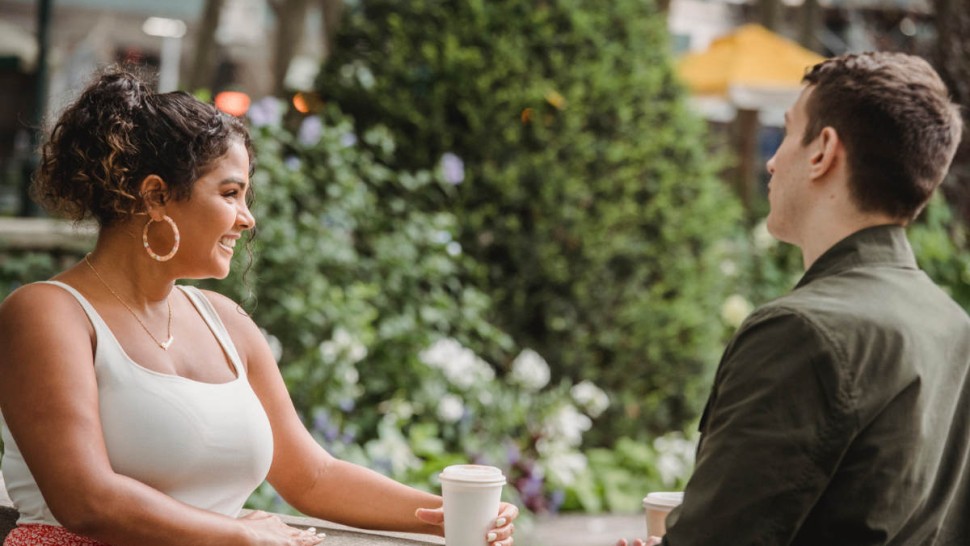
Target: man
x,y
840,413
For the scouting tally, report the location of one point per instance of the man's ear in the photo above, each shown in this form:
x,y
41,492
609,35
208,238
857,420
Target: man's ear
x,y
155,195
828,152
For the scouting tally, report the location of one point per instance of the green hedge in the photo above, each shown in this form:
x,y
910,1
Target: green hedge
x,y
581,183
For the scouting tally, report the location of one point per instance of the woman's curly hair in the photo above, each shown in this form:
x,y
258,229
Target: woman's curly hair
x,y
120,131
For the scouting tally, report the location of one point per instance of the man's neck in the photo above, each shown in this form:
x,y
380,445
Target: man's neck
x,y
825,234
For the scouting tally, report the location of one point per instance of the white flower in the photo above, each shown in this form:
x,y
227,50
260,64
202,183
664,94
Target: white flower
x,y
675,457
729,268
351,375
343,344
485,397
395,408
392,448
450,408
762,238
460,366
441,237
735,309
452,168
566,426
530,370
590,397
564,467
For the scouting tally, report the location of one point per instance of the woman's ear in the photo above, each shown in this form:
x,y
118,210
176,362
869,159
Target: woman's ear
x,y
828,152
155,195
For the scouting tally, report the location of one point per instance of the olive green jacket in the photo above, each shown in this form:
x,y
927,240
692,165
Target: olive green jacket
x,y
840,413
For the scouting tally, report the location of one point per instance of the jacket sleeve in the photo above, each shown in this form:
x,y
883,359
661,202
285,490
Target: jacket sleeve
x,y
775,427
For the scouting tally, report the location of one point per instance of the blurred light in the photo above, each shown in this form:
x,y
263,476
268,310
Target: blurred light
x,y
307,102
234,103
300,103
555,99
907,26
165,28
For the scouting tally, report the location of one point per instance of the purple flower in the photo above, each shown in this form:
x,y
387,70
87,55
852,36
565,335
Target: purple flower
x,y
348,139
453,168
347,405
266,111
323,425
530,486
310,131
293,163
513,454
556,499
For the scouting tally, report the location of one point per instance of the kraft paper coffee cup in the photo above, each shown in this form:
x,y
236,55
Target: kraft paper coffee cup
x,y
657,505
471,494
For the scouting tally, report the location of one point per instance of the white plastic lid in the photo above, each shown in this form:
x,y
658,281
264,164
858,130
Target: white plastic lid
x,y
473,474
663,500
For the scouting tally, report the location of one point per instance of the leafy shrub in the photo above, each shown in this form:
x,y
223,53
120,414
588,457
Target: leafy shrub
x,y
580,182
19,267
940,242
359,294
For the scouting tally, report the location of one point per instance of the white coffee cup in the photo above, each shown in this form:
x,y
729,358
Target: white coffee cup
x,y
471,494
657,505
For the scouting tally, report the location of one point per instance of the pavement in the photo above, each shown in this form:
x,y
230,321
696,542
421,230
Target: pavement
x,y
580,530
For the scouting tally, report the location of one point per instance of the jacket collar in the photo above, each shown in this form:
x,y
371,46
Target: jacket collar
x,y
878,245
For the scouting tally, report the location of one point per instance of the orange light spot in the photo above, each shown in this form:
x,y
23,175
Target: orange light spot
x,y
526,115
307,102
234,103
301,104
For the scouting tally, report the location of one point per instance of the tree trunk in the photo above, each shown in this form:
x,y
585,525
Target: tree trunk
x,y
333,11
769,13
953,62
810,21
205,46
290,17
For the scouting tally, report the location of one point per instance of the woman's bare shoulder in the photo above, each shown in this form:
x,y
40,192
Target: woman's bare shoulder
x,y
38,297
42,310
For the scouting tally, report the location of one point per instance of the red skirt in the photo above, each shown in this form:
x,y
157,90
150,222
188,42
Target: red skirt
x,y
37,534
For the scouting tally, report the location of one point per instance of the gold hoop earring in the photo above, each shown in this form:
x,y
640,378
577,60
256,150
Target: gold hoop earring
x,y
148,248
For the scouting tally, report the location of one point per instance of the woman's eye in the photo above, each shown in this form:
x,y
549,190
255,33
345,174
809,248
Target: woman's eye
x,y
232,193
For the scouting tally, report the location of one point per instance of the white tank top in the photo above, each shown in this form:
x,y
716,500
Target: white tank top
x,y
207,445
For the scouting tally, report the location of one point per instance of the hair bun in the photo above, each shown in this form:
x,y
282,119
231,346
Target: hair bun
x,y
119,86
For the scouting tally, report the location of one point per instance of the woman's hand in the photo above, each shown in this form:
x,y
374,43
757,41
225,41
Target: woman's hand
x,y
499,535
652,541
269,530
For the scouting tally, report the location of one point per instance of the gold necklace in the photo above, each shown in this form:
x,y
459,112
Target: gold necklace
x,y
164,345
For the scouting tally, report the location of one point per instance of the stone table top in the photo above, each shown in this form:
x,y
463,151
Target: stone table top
x,y
337,535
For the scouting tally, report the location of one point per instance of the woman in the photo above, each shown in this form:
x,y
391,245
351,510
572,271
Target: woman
x,y
141,412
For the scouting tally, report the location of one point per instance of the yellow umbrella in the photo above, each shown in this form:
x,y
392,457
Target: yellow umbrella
x,y
750,57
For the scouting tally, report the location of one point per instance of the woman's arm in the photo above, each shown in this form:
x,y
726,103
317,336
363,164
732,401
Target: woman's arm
x,y
311,479
49,399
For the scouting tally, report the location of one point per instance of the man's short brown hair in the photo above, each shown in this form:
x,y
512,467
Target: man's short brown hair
x,y
895,118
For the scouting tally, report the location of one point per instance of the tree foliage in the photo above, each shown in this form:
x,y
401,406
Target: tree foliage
x,y
581,182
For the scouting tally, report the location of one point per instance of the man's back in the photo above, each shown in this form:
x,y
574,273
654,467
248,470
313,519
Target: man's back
x,y
839,412
905,369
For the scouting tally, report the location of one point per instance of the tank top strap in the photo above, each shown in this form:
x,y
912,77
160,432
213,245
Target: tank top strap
x,y
211,318
100,326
